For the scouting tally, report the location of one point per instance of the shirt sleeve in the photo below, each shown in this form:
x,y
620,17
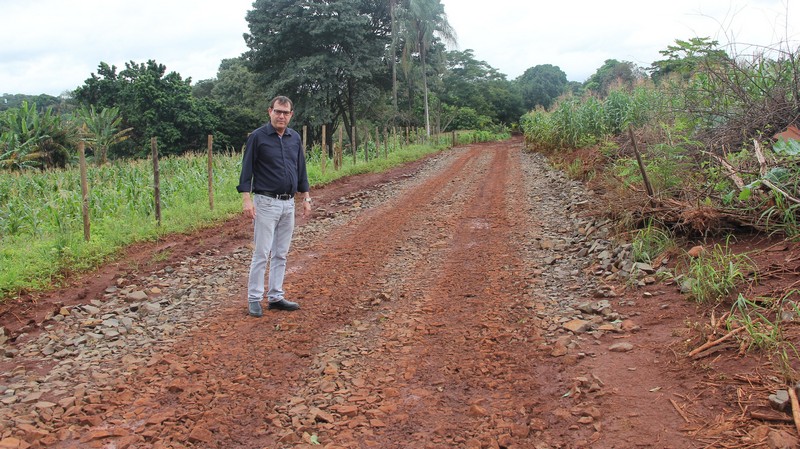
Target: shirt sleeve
x,y
302,174
246,176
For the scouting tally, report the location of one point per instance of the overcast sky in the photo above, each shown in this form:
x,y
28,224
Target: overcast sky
x,y
52,46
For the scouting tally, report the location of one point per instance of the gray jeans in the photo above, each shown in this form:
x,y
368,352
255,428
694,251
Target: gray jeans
x,y
272,233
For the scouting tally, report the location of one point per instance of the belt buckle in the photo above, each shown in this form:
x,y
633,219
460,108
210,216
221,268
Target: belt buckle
x,y
283,196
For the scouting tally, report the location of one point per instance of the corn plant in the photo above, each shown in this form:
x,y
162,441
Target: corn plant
x,y
41,213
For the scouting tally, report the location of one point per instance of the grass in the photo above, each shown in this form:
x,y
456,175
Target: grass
x,y
716,273
764,328
45,243
650,242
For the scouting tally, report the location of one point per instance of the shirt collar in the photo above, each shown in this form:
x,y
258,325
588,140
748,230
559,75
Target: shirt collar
x,y
271,130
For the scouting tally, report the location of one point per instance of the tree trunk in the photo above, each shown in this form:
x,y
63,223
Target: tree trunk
x,y
393,55
425,86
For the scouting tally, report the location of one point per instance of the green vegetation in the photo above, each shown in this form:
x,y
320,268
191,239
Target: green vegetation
x,y
764,321
715,274
650,242
704,122
41,227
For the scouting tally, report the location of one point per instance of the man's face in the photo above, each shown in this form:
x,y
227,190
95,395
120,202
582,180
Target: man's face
x,y
279,116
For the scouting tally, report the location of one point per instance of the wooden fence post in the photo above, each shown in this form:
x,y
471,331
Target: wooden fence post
x,y
156,181
210,172
377,142
338,164
323,150
354,145
386,143
366,144
84,191
305,134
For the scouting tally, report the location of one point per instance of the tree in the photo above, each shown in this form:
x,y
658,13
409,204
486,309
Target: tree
x,y
43,101
393,52
323,55
102,130
30,138
686,57
425,23
237,86
614,72
152,102
541,85
473,86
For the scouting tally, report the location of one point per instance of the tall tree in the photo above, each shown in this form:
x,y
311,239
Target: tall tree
x,y
425,23
473,87
322,54
686,57
393,52
614,72
541,85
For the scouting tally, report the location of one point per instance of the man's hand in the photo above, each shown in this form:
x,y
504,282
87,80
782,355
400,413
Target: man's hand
x,y
247,206
306,209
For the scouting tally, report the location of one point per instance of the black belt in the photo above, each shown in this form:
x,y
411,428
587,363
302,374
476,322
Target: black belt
x,y
279,196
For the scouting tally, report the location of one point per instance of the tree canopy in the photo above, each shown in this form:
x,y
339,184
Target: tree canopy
x,y
153,103
541,85
323,55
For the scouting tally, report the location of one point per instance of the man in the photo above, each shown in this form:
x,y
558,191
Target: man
x,y
273,170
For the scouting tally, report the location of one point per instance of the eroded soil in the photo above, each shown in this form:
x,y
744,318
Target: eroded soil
x,y
427,321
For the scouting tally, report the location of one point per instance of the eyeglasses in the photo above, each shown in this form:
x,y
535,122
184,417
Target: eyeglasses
x,y
279,112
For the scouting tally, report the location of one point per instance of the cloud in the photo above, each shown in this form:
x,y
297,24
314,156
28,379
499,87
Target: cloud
x,y
56,45
578,36
52,46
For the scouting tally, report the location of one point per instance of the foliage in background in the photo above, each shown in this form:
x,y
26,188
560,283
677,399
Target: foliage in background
x,y
541,85
101,130
580,122
153,103
30,138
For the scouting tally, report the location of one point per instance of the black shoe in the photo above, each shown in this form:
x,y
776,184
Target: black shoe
x,y
283,304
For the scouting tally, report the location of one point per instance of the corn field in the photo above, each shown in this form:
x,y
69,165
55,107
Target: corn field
x,y
41,227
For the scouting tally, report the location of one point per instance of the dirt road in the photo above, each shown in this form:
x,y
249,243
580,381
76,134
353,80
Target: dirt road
x,y
436,304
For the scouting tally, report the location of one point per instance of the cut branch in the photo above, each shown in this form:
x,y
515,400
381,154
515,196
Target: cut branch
x,y
737,180
795,408
762,161
646,180
711,344
678,409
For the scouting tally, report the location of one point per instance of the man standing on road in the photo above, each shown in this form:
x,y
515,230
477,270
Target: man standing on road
x,y
273,170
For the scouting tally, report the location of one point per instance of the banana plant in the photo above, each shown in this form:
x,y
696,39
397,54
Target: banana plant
x,y
102,130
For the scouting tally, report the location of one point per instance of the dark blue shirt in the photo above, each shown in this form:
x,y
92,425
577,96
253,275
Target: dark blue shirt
x,y
272,163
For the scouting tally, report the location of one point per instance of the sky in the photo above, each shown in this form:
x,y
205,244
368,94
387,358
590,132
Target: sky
x,y
53,46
